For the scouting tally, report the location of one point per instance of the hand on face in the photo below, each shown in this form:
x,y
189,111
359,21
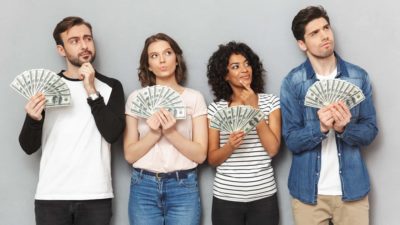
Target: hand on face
x,y
236,139
248,96
35,106
87,74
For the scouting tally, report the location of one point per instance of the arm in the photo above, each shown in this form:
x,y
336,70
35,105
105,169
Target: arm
x,y
270,134
134,148
299,136
30,137
216,154
196,149
110,118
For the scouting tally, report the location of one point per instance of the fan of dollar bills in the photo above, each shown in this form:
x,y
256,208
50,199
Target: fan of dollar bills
x,y
325,92
236,118
49,83
153,98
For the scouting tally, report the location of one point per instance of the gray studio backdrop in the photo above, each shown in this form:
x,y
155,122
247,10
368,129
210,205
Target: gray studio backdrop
x,y
367,33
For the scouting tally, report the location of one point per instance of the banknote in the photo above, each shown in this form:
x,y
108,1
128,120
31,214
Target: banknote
x,y
33,81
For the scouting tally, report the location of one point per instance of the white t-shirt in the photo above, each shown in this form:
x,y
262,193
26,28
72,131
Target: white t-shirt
x,y
329,180
247,175
75,163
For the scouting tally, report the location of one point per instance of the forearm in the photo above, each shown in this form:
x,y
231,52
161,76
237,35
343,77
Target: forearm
x,y
269,140
110,123
133,151
30,137
190,149
218,156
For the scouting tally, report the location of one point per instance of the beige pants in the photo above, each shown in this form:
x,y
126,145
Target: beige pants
x,y
331,208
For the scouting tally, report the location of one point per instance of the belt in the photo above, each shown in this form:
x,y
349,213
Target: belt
x,y
179,174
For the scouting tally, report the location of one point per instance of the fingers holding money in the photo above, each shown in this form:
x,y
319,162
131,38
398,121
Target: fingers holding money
x,y
236,139
166,119
341,115
35,106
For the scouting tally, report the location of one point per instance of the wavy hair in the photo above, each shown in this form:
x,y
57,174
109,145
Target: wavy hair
x,y
148,78
217,69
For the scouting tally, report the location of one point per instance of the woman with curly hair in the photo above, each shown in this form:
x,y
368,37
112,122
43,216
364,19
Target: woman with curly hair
x,y
244,185
164,151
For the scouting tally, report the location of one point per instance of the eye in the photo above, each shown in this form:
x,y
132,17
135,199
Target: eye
x,y
88,39
73,41
153,56
168,53
235,66
247,64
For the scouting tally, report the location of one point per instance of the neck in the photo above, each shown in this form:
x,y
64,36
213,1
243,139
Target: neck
x,y
235,98
72,71
323,66
170,82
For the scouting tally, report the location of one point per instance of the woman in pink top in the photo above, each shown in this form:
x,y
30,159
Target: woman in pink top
x,y
163,150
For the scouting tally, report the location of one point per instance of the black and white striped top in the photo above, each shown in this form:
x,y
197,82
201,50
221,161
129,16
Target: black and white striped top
x,y
247,175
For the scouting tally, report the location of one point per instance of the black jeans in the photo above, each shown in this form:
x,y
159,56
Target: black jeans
x,y
85,212
260,212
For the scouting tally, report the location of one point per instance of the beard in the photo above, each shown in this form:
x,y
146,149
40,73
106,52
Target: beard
x,y
76,61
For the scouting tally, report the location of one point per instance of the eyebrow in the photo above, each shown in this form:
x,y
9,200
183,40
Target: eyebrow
x,y
238,62
162,51
77,37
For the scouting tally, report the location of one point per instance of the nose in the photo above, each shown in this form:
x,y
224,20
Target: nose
x,y
162,58
84,44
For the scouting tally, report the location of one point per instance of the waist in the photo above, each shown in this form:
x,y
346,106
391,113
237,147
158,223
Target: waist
x,y
179,174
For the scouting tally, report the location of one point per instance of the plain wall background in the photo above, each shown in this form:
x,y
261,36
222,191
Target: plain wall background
x,y
367,34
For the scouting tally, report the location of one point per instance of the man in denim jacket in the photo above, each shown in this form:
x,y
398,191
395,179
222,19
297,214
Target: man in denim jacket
x,y
328,177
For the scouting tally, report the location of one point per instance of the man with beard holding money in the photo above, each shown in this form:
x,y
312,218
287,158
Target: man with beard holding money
x,y
75,174
328,177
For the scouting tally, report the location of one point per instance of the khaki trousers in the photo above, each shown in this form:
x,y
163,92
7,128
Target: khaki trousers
x,y
331,207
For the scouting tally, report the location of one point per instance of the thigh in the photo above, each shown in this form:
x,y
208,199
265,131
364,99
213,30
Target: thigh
x,y
263,212
49,212
145,205
350,213
93,212
305,214
182,201
227,212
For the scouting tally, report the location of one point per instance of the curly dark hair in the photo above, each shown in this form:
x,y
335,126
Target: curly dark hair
x,y
146,77
217,69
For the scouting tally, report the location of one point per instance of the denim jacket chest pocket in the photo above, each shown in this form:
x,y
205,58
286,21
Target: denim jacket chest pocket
x,y
309,113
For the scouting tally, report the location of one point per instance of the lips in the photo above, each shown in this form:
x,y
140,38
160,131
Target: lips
x,y
85,54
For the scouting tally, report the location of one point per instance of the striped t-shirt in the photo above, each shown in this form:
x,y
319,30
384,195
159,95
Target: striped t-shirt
x,y
247,175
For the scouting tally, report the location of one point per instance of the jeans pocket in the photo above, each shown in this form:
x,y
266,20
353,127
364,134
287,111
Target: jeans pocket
x,y
136,178
190,181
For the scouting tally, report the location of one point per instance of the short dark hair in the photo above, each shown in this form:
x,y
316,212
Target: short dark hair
x,y
217,69
305,16
65,25
148,78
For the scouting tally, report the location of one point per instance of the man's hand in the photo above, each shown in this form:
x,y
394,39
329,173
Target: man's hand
x,y
87,73
341,114
35,106
325,118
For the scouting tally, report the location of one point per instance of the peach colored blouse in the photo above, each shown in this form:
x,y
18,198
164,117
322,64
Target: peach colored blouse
x,y
163,156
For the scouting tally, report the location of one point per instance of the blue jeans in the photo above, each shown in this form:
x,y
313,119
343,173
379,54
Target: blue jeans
x,y
159,201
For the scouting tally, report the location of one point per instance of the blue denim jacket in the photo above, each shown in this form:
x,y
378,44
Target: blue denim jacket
x,y
301,132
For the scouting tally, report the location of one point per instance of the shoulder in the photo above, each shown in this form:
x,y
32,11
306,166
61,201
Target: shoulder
x,y
112,82
296,75
354,71
215,106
